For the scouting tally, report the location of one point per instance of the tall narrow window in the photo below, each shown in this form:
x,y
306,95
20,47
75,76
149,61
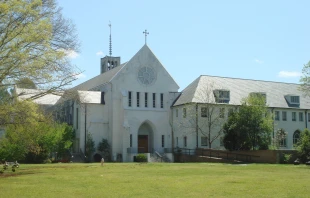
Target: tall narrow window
x,y
277,115
154,100
284,115
129,99
177,141
204,141
185,141
130,140
296,136
301,116
177,113
138,99
184,112
145,99
293,116
161,100
77,118
162,141
203,111
308,117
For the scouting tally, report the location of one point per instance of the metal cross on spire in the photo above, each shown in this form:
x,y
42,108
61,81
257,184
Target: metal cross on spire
x,y
146,33
110,47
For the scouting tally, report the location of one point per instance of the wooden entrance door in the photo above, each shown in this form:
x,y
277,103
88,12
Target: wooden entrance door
x,y
143,144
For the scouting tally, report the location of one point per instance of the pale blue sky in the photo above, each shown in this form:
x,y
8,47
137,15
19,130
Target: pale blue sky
x,y
263,40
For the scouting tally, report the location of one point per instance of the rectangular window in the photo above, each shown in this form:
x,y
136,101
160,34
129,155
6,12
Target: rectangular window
x,y
161,100
177,141
204,141
138,99
130,140
129,98
282,142
222,112
284,115
293,116
308,117
301,116
145,99
277,115
154,100
184,112
203,111
162,141
295,99
185,141
177,113
77,118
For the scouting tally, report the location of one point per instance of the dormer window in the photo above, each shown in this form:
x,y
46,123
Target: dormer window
x,y
292,100
295,99
222,96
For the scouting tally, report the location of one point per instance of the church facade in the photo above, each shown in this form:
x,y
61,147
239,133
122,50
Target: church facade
x,y
128,104
136,106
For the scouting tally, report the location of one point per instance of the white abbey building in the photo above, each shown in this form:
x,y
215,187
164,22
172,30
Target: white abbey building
x,y
136,106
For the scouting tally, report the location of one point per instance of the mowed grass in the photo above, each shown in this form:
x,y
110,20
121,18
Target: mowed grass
x,y
156,180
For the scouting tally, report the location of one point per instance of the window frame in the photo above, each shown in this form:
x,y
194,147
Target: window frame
x,y
203,141
284,116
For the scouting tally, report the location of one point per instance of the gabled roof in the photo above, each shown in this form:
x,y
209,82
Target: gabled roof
x,y
241,88
100,79
48,99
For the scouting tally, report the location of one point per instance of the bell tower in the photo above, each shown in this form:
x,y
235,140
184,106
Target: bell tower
x,y
109,62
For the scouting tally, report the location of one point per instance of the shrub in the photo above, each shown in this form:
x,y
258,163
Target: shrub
x,y
141,158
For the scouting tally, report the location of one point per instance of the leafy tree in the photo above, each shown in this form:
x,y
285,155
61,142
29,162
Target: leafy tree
x,y
105,149
303,146
305,79
250,127
35,40
34,136
26,83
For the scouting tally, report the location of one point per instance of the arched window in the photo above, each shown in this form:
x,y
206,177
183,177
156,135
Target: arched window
x,y
296,136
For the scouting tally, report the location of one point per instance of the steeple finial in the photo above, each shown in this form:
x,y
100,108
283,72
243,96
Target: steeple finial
x,y
146,33
110,47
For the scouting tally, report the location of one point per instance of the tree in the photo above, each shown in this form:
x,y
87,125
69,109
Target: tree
x,y
90,146
305,79
105,149
26,83
250,127
33,135
35,40
303,146
209,124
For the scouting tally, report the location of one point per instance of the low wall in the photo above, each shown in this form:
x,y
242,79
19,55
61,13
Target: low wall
x,y
259,156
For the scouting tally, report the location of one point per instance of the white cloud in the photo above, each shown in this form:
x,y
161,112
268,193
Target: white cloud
x,y
259,61
100,53
70,53
288,74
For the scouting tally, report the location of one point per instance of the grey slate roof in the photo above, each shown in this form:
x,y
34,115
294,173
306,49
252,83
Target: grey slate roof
x,y
49,99
241,88
93,97
100,79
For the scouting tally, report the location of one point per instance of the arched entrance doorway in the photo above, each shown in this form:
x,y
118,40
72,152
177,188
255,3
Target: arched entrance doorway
x,y
145,137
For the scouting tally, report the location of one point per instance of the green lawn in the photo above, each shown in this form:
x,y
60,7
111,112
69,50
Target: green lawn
x,y
156,180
